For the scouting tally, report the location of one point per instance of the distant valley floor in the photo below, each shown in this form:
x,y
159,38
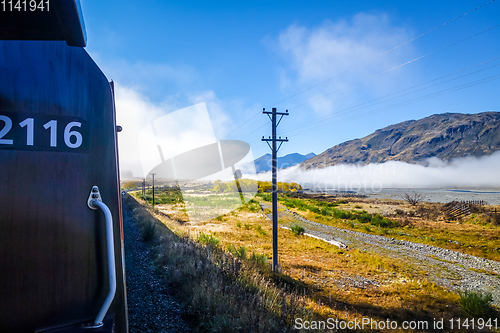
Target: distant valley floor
x,y
440,195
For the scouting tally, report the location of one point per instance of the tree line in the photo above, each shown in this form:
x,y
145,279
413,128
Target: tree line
x,y
250,185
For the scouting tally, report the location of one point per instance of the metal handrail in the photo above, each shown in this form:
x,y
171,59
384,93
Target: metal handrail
x,y
95,202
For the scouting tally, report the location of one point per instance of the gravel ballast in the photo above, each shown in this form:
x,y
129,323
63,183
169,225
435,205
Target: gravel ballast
x,y
151,306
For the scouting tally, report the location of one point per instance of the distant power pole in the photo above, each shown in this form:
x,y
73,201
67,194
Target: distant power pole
x,y
143,187
153,174
272,115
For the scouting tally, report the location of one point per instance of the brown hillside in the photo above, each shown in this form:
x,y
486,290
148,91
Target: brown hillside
x,y
445,136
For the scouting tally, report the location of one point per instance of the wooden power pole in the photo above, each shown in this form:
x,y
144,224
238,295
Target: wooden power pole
x,y
153,174
272,115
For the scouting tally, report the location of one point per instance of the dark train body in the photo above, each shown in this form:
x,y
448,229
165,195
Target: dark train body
x,y
58,139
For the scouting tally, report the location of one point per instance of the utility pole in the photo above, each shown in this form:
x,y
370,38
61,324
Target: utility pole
x,y
153,174
272,115
237,175
143,187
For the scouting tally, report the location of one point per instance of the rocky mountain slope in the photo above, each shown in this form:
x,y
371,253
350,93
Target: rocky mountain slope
x,y
445,136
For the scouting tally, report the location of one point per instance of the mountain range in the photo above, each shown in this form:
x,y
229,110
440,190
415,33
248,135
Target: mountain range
x,y
445,136
264,163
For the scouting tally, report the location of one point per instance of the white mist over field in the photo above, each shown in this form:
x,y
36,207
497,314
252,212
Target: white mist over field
x,y
467,172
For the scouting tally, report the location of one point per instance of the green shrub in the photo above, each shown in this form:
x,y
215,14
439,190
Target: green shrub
x,y
266,197
340,214
148,229
208,239
129,186
382,222
325,211
261,231
240,252
252,205
254,208
476,304
259,259
163,196
238,224
297,229
301,206
365,218
290,203
247,226
313,209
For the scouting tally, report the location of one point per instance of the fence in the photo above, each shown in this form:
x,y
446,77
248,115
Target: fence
x,y
458,209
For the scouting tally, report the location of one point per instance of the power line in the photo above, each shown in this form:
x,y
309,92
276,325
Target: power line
x,y
367,61
384,53
396,67
322,119
237,128
442,92
359,105
417,99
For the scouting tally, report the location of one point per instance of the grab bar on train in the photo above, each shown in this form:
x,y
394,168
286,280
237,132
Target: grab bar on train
x,y
94,202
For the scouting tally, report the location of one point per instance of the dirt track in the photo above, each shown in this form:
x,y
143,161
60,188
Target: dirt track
x,y
450,269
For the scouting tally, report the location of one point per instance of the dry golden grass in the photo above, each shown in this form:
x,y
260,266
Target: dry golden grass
x,y
336,283
218,292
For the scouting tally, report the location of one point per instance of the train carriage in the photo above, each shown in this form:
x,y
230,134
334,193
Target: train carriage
x,y
61,239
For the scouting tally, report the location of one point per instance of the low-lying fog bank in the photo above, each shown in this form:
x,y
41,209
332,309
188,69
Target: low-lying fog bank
x,y
467,178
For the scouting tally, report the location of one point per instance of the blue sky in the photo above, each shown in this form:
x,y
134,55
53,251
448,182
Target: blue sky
x,y
324,61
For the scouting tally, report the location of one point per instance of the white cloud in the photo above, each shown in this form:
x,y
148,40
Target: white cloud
x,y
467,172
344,53
173,134
220,120
158,80
134,111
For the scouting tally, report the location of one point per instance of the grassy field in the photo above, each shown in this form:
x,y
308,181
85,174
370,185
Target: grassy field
x,y
317,280
478,234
